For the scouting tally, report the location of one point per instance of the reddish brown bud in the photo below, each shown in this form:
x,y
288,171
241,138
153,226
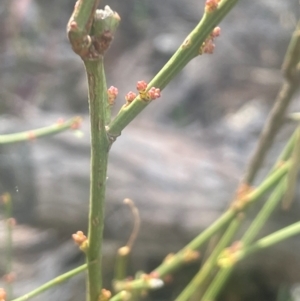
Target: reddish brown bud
x,y
216,32
73,25
209,47
130,96
76,124
60,121
79,238
154,93
112,94
211,5
141,85
31,136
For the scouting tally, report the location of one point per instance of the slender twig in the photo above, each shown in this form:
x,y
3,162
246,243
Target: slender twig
x,y
185,53
52,283
8,277
208,266
292,174
277,113
226,270
268,241
56,128
124,252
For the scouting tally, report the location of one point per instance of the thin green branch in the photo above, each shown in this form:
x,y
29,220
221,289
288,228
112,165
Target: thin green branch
x,y
182,256
8,277
52,283
269,241
292,176
224,274
179,259
185,53
56,128
277,113
209,265
265,213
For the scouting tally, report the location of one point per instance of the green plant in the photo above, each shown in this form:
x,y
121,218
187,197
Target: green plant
x,y
90,32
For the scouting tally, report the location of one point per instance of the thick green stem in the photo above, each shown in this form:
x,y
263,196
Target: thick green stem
x,y
99,157
185,53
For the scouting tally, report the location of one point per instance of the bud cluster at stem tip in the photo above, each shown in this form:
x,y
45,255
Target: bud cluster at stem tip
x,y
145,95
211,5
81,240
208,46
112,93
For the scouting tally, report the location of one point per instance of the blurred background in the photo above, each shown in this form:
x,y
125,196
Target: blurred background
x,y
180,160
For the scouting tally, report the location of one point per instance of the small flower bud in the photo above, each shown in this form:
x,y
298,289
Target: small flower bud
x,y
211,5
130,96
112,94
79,238
76,124
216,32
105,295
209,47
141,85
154,93
2,294
60,121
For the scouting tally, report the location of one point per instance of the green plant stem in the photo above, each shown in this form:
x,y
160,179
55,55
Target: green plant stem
x,y
292,176
9,240
269,240
185,53
217,284
265,212
39,133
277,113
263,243
79,26
54,282
99,158
225,272
179,259
207,269
286,153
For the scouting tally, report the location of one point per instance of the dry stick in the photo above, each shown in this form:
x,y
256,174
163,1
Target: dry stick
x,y
274,122
124,252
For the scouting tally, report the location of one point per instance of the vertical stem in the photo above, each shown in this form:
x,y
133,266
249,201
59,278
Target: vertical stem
x,y
99,158
9,247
